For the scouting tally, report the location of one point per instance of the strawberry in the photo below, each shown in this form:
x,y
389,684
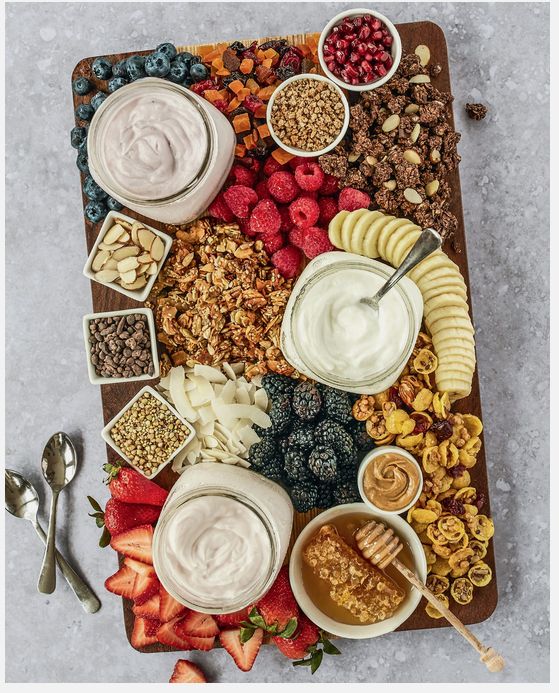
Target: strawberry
x,y
196,624
196,643
243,654
187,672
169,607
149,609
277,611
122,582
129,486
233,619
139,636
144,589
139,567
135,543
119,516
306,642
151,626
166,635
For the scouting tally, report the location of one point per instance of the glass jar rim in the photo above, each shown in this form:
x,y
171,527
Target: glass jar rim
x,y
320,274
99,120
256,591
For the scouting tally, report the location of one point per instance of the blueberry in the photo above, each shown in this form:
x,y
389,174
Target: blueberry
x,y
95,210
157,65
185,57
198,72
77,137
135,67
167,49
116,82
188,82
113,204
119,69
98,99
101,68
81,86
85,111
195,60
93,191
81,162
178,72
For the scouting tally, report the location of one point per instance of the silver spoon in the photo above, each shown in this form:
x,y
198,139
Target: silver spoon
x,y
22,501
59,466
428,242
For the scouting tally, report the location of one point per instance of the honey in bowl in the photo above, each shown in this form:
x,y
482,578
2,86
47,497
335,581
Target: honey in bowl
x,y
319,589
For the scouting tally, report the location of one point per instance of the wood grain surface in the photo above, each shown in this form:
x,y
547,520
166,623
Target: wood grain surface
x,y
114,397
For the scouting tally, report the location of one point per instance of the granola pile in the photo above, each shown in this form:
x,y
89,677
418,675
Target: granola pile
x,y
219,299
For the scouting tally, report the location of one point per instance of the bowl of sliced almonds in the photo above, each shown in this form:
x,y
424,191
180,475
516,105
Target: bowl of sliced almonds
x,y
127,256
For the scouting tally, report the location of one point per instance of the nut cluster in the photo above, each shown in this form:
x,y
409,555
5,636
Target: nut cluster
x,y
148,433
120,347
307,114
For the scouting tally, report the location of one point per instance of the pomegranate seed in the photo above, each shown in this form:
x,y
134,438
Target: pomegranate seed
x,y
388,41
381,70
375,24
377,36
388,64
351,71
367,67
353,57
364,33
355,80
358,21
383,57
340,57
335,30
369,56
341,43
368,18
361,49
327,51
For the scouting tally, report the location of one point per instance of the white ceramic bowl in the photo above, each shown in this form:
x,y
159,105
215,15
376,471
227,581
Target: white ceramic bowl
x,y
106,432
303,152
382,450
95,379
396,51
344,630
110,220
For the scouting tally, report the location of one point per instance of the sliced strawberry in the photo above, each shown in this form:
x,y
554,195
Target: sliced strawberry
x,y
243,654
187,672
122,582
144,588
169,607
139,636
199,625
195,643
149,609
166,635
233,619
139,567
151,626
135,543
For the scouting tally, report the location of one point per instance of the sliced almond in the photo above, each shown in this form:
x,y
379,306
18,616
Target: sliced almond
x,y
124,237
391,123
423,53
431,188
106,275
415,132
111,264
128,277
145,258
390,184
113,234
110,246
124,223
138,283
412,108
127,251
136,226
145,238
99,260
152,269
435,156
129,263
419,79
371,160
412,157
140,269
157,249
412,196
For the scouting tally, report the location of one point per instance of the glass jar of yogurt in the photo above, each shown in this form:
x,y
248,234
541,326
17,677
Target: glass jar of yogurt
x,y
221,538
330,336
160,149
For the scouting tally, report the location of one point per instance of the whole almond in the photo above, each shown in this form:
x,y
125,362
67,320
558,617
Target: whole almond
x,y
412,157
423,53
415,132
390,184
419,79
435,156
412,196
391,123
371,160
353,157
412,108
432,187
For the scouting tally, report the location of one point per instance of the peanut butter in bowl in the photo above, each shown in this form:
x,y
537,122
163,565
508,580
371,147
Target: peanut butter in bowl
x,y
390,479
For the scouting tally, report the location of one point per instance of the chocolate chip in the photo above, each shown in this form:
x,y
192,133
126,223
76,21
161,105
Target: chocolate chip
x,y
120,346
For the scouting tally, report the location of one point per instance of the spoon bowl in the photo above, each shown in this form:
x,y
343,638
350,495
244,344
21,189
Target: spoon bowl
x,y
21,498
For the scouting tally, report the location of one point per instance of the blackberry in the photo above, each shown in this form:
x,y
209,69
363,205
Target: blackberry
x,y
333,434
361,439
272,468
276,384
295,466
306,401
280,414
346,475
302,435
325,496
346,493
323,463
304,496
263,432
260,452
283,445
336,405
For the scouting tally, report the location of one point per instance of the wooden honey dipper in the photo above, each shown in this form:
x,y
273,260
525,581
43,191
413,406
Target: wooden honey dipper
x,y
380,546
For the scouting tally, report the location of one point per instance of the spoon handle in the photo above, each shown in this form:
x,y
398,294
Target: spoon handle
x,y
47,578
79,587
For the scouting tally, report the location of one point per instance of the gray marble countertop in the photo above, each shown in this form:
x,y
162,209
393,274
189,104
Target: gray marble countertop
x,y
505,183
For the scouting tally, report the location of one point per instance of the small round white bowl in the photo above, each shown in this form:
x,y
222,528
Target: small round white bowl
x,y
303,152
345,630
396,51
383,449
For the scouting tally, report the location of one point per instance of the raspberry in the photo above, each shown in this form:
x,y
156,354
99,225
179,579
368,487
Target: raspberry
x,y
286,222
240,175
271,166
220,210
304,211
287,261
265,218
328,210
316,242
240,199
297,236
297,161
330,185
282,186
309,176
351,199
272,242
250,162
261,189
244,225
202,86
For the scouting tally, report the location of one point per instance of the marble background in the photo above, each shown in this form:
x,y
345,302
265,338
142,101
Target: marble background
x,y
505,190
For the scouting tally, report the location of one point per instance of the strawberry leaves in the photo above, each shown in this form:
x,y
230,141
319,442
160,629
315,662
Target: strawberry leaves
x,y
316,654
99,516
255,620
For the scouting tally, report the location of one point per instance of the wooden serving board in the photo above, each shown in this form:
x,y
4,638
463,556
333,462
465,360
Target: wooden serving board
x,y
114,397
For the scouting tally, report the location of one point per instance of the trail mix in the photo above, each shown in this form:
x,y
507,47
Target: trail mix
x,y
120,346
476,111
447,517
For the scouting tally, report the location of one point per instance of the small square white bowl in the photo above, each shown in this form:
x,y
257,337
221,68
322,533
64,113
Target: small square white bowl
x,y
110,220
95,379
105,433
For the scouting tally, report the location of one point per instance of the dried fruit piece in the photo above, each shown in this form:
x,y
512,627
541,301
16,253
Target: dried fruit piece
x,y
351,199
462,591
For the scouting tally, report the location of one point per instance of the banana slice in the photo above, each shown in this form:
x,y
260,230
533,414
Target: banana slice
x,y
448,323
451,352
437,260
360,229
404,246
439,290
457,369
371,237
449,313
386,234
403,231
348,225
335,229
446,300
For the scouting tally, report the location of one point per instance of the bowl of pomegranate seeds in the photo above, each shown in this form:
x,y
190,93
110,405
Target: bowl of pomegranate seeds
x,y
359,49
